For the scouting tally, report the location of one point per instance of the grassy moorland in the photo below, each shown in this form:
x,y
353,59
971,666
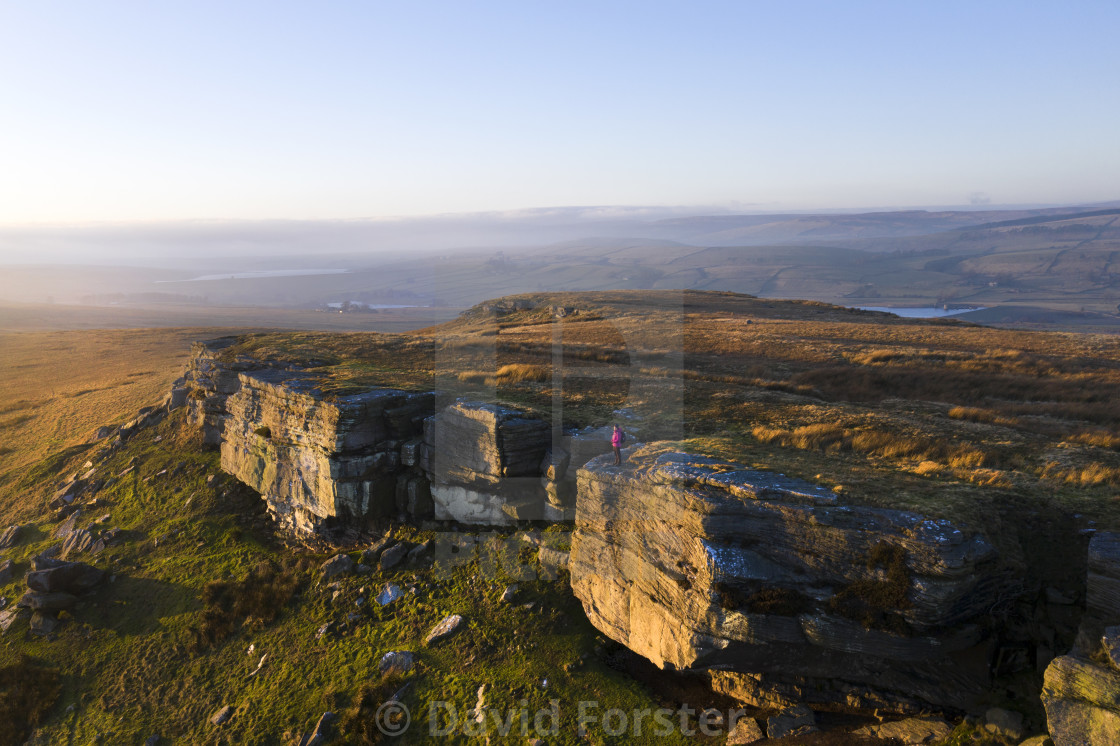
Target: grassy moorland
x,y
990,427
934,415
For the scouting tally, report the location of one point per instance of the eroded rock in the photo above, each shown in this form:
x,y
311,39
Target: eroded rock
x,y
696,563
314,458
793,721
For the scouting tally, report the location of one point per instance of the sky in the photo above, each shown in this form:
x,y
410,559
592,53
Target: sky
x,y
133,111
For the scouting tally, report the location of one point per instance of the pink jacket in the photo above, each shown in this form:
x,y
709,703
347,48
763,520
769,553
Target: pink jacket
x,y
616,439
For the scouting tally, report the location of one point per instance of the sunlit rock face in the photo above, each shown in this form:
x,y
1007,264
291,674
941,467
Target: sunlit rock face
x,y
209,382
314,458
782,592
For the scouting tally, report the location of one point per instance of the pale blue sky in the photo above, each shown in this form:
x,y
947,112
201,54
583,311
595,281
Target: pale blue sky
x,y
166,110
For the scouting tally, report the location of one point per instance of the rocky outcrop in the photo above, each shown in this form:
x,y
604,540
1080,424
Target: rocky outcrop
x,y
785,594
315,458
1081,691
343,460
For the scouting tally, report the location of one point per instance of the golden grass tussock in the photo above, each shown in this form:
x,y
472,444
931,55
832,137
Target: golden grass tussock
x,y
1097,438
519,372
1086,475
928,468
475,377
973,414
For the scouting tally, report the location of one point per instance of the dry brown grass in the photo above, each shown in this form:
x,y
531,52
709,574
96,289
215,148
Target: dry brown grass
x,y
520,372
57,388
1088,475
1096,438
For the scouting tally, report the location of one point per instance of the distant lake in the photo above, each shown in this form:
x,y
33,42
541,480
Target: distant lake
x,y
928,312
264,273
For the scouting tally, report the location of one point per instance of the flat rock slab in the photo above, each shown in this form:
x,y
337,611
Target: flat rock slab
x,y
444,629
58,576
222,715
48,601
910,731
320,734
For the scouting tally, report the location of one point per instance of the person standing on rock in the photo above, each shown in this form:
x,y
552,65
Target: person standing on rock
x,y
616,443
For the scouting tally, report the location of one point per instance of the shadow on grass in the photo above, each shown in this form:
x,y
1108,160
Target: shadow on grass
x,y
138,606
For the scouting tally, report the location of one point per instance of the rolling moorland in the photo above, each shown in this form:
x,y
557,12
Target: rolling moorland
x,y
1049,268
1005,432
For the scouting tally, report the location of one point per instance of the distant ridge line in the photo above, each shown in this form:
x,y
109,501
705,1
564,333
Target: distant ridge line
x,y
1045,219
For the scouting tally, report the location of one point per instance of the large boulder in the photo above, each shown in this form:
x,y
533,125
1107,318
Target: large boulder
x,y
484,463
58,576
1082,701
786,594
314,457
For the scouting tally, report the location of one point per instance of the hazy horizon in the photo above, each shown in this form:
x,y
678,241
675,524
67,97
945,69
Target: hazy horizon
x,y
133,112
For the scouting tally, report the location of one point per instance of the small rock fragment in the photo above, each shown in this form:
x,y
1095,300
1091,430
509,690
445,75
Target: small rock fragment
x,y
222,715
392,556
1005,723
744,731
389,593
336,565
793,721
396,662
449,626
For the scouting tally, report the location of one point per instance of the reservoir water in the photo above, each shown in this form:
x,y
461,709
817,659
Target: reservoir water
x,y
927,312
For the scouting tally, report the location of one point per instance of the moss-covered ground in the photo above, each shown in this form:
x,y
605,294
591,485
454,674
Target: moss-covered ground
x,y
132,662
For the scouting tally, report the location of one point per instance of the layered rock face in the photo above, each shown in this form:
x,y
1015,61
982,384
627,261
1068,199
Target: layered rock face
x,y
494,465
384,452
784,594
314,459
1081,691
484,462
208,382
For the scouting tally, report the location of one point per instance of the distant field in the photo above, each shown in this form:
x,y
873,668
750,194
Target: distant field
x,y
43,317
57,388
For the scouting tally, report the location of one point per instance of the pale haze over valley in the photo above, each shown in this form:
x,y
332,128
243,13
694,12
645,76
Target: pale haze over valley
x,y
412,150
